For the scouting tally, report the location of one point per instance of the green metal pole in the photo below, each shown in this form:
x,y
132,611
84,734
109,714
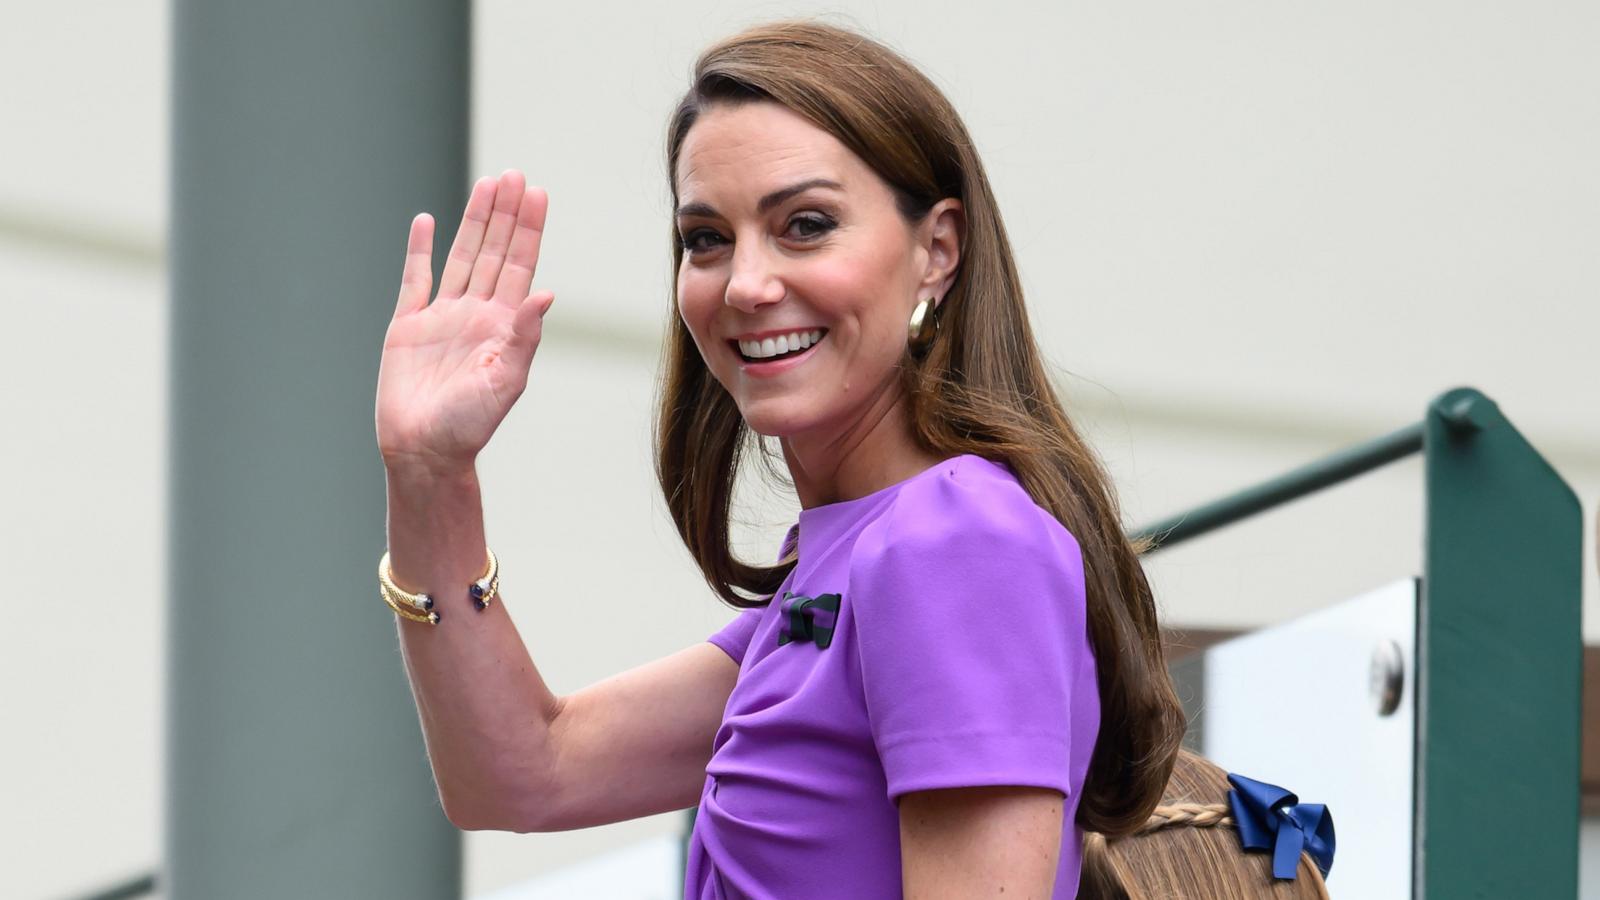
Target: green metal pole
x,y
1500,663
305,136
1308,479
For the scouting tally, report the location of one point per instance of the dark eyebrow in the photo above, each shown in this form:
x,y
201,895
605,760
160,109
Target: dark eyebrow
x,y
765,203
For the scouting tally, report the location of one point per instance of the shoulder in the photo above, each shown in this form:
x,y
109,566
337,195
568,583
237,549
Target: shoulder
x,y
970,632
967,508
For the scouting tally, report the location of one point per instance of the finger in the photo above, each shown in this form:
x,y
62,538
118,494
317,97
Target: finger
x,y
529,319
416,279
469,237
507,199
522,256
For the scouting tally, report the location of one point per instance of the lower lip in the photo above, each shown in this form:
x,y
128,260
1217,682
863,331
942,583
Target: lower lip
x,y
765,369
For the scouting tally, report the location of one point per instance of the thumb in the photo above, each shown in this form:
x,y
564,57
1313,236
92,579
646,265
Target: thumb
x,y
528,319
416,279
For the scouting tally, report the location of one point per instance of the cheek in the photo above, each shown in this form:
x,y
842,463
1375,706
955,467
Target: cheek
x,y
692,296
699,298
870,290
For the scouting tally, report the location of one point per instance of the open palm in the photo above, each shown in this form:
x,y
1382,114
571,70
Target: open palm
x,y
452,369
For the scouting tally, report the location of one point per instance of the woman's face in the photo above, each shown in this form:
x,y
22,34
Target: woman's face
x,y
799,274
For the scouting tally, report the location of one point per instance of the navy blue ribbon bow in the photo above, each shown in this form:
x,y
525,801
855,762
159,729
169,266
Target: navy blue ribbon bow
x,y
1270,817
808,619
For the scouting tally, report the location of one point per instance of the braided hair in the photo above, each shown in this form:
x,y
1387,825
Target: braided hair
x,y
1199,815
1189,848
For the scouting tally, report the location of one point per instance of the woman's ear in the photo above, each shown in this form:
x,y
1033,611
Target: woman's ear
x,y
941,236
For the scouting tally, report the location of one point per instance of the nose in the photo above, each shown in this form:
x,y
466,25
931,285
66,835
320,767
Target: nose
x,y
754,281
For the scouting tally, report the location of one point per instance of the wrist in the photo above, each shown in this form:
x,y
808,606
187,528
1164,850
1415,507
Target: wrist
x,y
433,498
435,526
415,472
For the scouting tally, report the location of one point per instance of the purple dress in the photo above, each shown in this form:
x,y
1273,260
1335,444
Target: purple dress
x,y
931,636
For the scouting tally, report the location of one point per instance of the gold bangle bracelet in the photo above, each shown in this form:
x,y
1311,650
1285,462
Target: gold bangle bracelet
x,y
432,618
391,591
421,606
485,589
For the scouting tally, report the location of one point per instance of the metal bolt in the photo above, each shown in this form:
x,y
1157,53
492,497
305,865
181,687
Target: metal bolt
x,y
1387,677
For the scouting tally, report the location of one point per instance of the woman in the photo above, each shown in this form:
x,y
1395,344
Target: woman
x,y
953,668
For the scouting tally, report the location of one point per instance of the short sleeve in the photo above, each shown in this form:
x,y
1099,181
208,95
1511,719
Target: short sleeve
x,y
969,606
734,637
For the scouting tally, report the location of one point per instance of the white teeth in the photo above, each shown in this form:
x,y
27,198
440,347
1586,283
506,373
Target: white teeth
x,y
785,343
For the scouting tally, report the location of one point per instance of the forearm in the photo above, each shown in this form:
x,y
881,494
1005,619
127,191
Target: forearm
x,y
486,713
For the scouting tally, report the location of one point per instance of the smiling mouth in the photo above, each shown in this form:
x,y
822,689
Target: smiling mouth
x,y
780,347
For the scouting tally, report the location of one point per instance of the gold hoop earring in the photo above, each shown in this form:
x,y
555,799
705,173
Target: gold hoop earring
x,y
924,326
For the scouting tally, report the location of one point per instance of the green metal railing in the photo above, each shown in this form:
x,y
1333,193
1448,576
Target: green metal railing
x,y
1341,466
1499,646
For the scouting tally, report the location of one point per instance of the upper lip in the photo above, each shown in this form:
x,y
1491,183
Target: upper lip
x,y
774,332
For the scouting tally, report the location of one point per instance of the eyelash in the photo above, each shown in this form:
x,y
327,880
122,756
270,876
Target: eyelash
x,y
822,224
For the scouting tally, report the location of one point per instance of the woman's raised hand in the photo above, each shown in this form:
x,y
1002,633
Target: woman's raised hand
x,y
452,369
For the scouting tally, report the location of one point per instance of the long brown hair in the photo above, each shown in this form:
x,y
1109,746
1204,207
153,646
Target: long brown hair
x,y
1190,848
981,389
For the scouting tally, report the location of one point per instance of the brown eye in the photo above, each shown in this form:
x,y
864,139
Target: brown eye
x,y
699,240
808,227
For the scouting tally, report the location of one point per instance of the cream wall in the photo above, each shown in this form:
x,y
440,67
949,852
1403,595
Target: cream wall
x,y
1252,234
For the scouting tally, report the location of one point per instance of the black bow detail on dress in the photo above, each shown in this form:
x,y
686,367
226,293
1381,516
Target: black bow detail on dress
x,y
808,619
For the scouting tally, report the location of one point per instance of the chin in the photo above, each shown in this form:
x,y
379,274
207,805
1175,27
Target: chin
x,y
776,419
772,427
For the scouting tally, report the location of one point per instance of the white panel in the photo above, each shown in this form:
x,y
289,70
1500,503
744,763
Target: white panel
x,y
82,539
1278,208
1589,859
1292,706
649,870
85,88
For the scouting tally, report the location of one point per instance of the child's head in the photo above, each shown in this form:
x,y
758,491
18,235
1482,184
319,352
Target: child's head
x,y
1190,848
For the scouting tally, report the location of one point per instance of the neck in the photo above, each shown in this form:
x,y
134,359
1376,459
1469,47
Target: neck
x,y
875,451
